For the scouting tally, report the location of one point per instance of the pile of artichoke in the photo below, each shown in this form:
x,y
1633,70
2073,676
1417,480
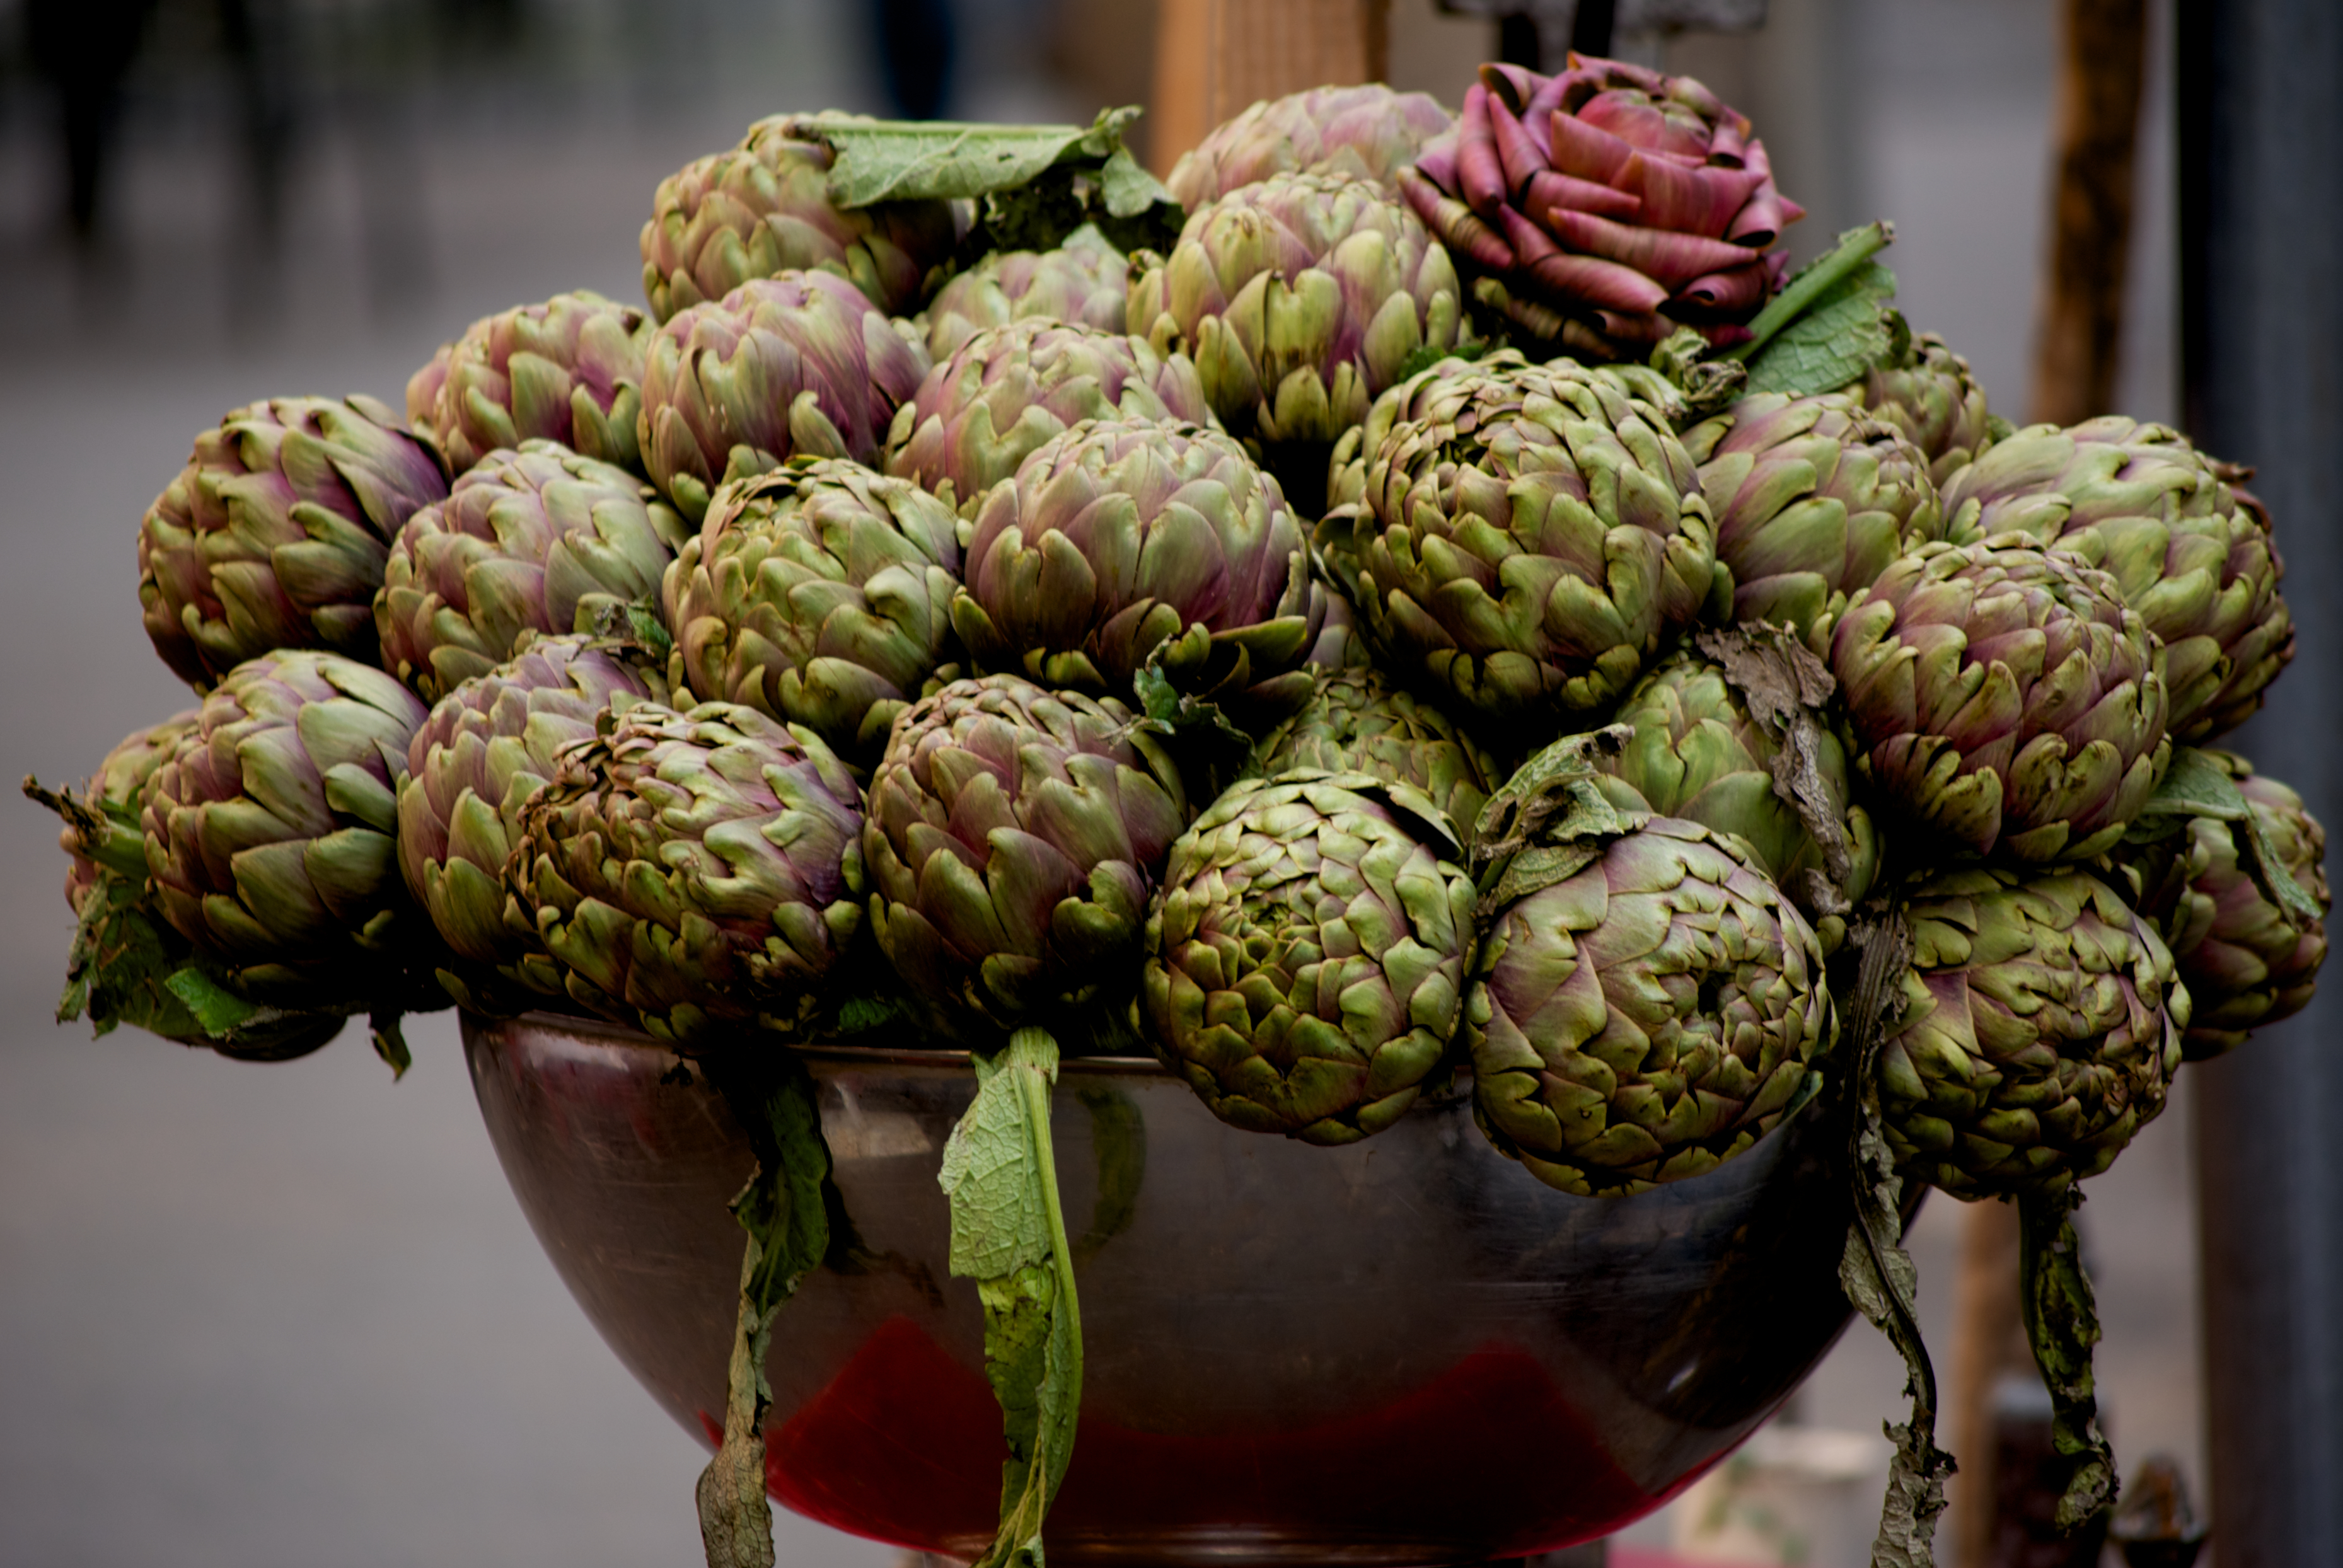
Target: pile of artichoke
x,y
1440,620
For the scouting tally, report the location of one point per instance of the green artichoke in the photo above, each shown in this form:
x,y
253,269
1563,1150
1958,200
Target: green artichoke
x,y
118,789
1732,743
1646,1017
1301,299
1081,283
1812,500
127,966
1120,547
2246,958
818,595
2004,696
693,872
797,363
1525,536
485,749
271,831
1014,837
2038,1029
2187,550
1931,397
276,534
1306,954
569,371
540,540
1366,133
1006,390
763,207
1359,722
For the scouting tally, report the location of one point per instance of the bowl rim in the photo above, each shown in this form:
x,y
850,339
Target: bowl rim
x,y
608,1032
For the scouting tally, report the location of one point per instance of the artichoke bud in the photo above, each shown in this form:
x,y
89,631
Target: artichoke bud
x,y
2039,1024
1648,1003
1357,721
1013,837
1307,952
1737,736
694,873
2230,869
819,595
1363,133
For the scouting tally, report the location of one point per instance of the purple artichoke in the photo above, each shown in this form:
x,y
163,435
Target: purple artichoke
x,y
1080,284
797,363
276,534
569,371
530,542
1013,840
2005,697
1366,133
763,208
1006,390
1600,210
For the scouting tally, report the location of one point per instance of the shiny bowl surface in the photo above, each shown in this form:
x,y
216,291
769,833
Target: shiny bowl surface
x,y
1404,1352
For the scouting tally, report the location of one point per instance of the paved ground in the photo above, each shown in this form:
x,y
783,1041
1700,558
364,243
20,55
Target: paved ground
x,y
256,1316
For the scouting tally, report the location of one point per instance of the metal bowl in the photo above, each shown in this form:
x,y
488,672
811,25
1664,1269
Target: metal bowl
x,y
1404,1352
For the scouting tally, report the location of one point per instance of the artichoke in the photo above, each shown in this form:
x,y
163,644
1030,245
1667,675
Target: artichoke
x,y
1120,547
1602,209
2038,1028
1525,536
1081,283
693,872
1306,955
1930,395
2004,696
126,964
540,540
763,207
1365,132
818,595
276,534
1812,500
2187,551
2247,959
797,363
1732,743
569,371
1301,298
1359,722
1006,390
270,831
118,789
485,749
1014,837
1646,1017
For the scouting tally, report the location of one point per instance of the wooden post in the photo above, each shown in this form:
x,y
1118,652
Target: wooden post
x,y
1213,57
2105,46
1988,1340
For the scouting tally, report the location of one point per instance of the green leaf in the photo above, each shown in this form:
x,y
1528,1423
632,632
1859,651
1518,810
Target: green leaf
x,y
215,1010
2195,786
1876,1272
785,1209
1850,329
1033,184
1549,800
1814,282
2062,1323
1009,1234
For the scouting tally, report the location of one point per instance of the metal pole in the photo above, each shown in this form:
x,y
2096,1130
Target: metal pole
x,y
2261,97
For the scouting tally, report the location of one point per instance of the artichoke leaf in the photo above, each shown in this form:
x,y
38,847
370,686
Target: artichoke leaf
x,y
2194,786
2062,1324
1875,1271
1009,1234
785,1209
1550,799
1830,323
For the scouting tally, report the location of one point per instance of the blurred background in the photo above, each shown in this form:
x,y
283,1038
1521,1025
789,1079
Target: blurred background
x,y
253,1316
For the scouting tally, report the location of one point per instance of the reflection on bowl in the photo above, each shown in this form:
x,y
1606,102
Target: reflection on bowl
x,y
1402,1352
